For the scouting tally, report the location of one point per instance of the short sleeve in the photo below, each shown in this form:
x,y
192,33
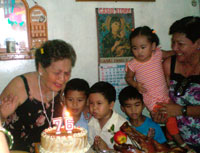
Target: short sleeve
x,y
130,65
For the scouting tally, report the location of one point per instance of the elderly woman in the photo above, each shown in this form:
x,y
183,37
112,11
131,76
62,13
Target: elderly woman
x,y
31,100
183,77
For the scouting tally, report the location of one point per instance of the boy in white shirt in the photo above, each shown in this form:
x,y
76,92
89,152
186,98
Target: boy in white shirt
x,y
102,98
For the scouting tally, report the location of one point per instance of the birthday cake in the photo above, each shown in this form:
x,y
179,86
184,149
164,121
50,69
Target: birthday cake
x,y
75,142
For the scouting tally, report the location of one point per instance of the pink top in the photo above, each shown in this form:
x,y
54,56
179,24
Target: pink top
x,y
151,74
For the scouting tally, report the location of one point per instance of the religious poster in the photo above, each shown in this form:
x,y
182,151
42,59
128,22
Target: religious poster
x,y
113,28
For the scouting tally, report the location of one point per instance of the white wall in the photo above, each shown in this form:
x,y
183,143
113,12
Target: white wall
x,y
75,22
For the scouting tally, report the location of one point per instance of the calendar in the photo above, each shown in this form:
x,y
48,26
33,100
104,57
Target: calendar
x,y
114,74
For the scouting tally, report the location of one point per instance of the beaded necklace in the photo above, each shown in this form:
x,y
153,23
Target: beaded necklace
x,y
44,110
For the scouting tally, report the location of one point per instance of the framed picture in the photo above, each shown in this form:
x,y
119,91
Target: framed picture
x,y
114,26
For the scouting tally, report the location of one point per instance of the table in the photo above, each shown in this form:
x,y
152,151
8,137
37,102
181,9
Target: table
x,y
18,151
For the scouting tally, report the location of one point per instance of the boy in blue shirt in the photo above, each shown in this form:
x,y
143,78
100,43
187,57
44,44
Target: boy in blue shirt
x,y
76,94
132,105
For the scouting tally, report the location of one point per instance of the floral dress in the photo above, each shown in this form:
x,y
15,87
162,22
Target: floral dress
x,y
28,121
190,88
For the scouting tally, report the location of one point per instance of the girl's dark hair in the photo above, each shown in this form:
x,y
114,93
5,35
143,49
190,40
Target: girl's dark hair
x,y
106,89
54,50
77,84
145,31
190,26
127,93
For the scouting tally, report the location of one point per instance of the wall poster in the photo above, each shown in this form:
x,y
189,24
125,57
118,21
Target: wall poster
x,y
113,28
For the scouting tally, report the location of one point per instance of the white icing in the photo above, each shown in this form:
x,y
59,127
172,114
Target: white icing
x,y
76,143
83,151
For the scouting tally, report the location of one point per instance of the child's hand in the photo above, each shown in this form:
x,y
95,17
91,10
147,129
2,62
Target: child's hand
x,y
140,88
8,105
99,144
86,113
151,133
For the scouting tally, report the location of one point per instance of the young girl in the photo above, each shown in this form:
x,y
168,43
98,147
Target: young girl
x,y
146,68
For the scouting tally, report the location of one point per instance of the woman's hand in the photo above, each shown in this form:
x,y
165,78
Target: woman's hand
x,y
8,106
151,133
171,109
159,117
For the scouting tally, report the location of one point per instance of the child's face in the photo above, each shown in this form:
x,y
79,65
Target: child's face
x,y
142,48
133,108
99,106
75,101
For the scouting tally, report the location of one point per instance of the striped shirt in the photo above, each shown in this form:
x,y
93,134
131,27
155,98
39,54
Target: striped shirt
x,y
151,74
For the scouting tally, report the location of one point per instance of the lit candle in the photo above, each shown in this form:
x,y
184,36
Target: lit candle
x,y
69,122
58,122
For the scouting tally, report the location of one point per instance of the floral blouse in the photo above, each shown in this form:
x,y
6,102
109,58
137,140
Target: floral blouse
x,y
28,121
189,126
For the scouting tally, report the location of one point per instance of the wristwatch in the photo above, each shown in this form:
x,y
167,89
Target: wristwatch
x,y
184,111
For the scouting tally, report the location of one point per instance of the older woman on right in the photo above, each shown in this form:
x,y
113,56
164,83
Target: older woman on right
x,y
183,76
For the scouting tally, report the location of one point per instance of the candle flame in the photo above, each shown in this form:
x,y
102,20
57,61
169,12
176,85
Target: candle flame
x,y
67,114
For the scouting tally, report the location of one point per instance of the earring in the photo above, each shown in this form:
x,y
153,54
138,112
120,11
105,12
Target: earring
x,y
40,73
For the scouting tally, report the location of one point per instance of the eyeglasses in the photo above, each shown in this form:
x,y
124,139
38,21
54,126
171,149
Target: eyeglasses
x,y
181,87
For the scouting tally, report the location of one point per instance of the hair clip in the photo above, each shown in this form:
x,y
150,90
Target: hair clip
x,y
153,31
132,29
42,51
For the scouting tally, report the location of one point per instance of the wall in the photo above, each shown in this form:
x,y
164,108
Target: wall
x,y
75,22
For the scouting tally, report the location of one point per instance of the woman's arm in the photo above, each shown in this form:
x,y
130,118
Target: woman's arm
x,y
176,110
166,54
12,96
3,142
166,69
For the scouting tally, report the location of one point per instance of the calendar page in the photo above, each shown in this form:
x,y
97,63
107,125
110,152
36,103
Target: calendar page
x,y
114,74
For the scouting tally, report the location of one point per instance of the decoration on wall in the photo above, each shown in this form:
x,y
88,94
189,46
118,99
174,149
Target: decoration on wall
x,y
113,27
14,40
8,7
23,29
17,16
194,3
38,26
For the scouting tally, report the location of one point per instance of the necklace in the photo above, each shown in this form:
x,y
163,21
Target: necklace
x,y
44,110
192,70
